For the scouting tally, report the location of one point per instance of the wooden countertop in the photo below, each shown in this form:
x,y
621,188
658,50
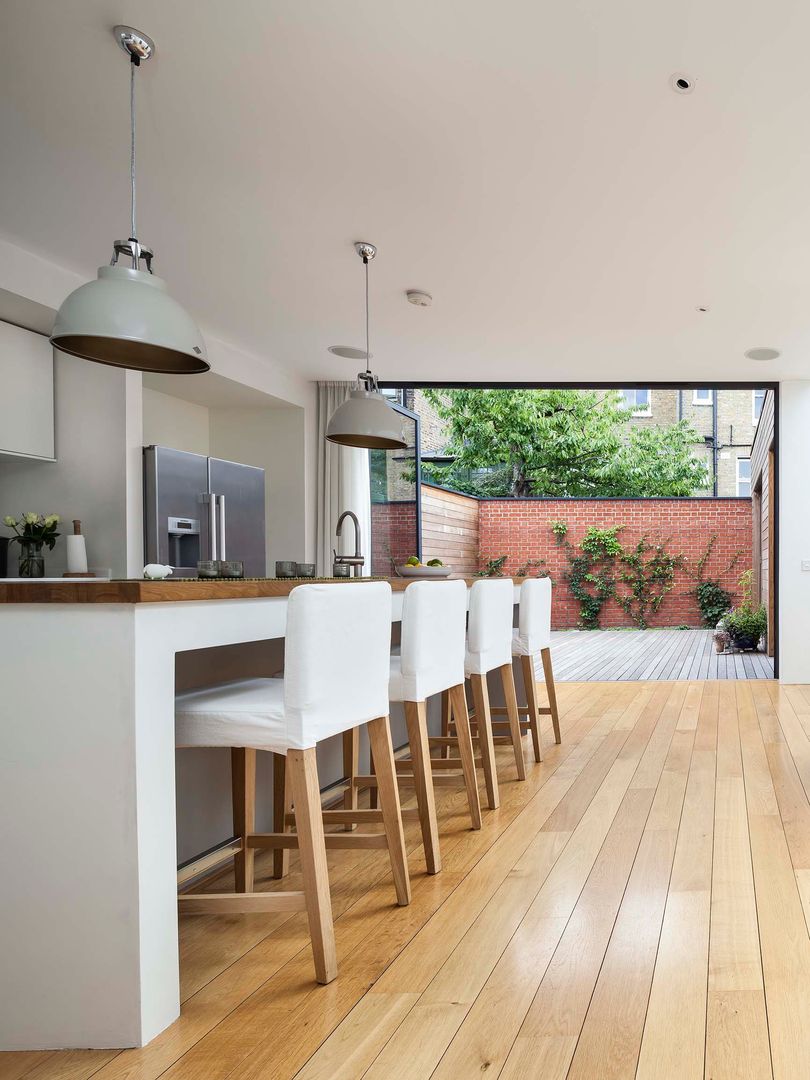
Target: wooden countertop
x,y
139,591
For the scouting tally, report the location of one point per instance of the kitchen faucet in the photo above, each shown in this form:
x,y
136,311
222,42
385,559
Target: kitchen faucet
x,y
356,561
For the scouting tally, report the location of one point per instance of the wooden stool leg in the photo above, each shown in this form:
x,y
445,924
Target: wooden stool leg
x,y
461,719
551,690
483,719
303,776
243,788
416,719
446,713
510,697
282,805
351,767
533,705
373,801
379,733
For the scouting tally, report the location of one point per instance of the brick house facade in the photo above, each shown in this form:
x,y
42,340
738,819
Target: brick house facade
x,y
725,420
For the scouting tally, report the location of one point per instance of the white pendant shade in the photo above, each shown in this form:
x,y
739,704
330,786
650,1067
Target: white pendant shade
x,y
127,319
366,419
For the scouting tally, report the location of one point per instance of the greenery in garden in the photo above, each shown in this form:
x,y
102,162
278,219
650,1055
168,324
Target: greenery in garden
x,y
591,574
746,624
713,599
559,443
638,578
647,574
600,568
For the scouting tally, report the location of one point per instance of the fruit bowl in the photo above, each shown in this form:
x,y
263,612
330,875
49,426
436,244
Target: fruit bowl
x,y
424,571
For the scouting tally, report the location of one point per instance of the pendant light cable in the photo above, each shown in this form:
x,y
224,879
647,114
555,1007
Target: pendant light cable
x,y
134,62
368,353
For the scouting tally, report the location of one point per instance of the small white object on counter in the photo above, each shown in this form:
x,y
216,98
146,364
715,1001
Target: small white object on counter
x,y
76,551
156,571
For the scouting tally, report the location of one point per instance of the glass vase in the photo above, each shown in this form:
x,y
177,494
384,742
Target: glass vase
x,y
32,561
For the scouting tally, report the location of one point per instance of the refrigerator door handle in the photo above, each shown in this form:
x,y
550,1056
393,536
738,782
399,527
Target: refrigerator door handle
x,y
211,502
221,504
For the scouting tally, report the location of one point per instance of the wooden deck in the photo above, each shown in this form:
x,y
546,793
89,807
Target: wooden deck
x,y
635,908
631,655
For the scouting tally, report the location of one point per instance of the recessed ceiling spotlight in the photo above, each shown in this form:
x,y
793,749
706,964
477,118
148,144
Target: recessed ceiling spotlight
x,y
681,84
348,352
762,354
420,299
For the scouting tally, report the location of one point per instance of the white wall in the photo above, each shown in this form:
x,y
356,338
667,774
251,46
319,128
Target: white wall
x,y
169,421
274,440
794,532
94,477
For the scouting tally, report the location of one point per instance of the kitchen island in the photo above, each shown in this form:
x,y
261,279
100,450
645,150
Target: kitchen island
x,y
90,952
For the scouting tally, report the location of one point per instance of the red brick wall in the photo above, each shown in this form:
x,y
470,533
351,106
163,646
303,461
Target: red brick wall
x,y
393,535
520,529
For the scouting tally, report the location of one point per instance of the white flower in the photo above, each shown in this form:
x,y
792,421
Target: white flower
x,y
52,519
30,519
10,521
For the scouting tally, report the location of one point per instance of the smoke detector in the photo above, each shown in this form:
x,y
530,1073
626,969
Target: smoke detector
x,y
419,299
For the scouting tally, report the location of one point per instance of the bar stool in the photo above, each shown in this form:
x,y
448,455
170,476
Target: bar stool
x,y
533,636
489,648
430,660
337,647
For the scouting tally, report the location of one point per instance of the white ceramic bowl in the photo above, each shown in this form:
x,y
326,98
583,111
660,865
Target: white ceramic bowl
x,y
425,571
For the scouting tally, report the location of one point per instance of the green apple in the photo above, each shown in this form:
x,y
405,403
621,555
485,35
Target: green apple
x,y
435,562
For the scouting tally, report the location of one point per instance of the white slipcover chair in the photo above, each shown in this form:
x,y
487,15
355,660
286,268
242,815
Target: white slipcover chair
x,y
428,661
530,639
336,675
489,648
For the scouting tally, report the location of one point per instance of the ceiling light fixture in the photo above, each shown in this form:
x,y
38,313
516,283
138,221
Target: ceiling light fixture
x,y
681,84
348,352
366,419
126,317
763,354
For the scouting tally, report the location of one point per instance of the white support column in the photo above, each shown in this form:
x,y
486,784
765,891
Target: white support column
x,y
794,532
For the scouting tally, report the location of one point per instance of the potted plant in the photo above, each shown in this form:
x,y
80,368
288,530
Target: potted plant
x,y
33,532
746,624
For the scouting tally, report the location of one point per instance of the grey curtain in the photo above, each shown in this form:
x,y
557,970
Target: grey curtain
x,y
343,484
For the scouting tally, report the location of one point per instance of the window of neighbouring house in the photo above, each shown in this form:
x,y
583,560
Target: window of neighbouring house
x,y
702,396
743,476
758,400
638,401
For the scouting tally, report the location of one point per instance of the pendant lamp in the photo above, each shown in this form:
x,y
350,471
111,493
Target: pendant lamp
x,y
366,419
126,317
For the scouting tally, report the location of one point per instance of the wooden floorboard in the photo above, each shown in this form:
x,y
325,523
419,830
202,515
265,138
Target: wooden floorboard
x,y
637,907
649,655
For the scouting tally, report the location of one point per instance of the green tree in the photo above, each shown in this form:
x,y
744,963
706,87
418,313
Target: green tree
x,y
559,443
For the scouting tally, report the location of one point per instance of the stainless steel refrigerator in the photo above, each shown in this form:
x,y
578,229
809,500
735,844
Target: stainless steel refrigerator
x,y
198,507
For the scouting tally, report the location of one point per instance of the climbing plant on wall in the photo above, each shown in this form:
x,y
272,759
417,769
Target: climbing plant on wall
x,y
591,574
647,574
600,568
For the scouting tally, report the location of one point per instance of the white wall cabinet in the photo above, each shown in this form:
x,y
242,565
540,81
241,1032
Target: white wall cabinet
x,y
26,394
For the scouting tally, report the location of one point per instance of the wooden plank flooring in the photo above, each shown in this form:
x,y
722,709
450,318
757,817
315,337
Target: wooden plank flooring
x,y
638,907
643,655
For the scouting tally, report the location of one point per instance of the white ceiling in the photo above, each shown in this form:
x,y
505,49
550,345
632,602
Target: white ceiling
x,y
524,161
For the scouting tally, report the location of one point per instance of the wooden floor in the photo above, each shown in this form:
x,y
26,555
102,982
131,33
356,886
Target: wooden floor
x,y
633,655
636,907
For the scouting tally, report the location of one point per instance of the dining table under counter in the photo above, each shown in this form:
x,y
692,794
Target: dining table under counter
x,y
88,908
